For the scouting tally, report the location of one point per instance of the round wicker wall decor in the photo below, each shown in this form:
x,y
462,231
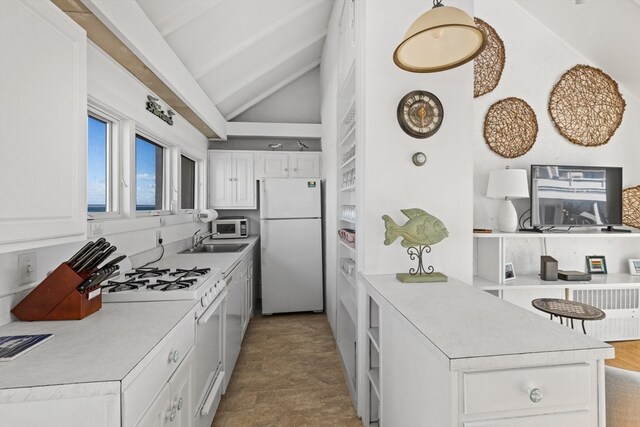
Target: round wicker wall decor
x,y
488,66
586,106
631,206
510,127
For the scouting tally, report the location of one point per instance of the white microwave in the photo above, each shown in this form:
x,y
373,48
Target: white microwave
x,y
230,228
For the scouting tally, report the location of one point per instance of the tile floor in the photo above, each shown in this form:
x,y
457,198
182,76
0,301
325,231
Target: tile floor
x,y
288,375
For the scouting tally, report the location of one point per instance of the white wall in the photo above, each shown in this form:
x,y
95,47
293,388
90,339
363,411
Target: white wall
x,y
442,187
297,102
111,86
535,59
329,164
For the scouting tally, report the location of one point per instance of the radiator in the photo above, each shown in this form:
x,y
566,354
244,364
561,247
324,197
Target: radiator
x,y
622,307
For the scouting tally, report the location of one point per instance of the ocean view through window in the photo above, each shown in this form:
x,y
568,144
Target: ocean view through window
x,y
149,175
98,199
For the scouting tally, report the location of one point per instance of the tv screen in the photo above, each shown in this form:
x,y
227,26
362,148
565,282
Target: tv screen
x,y
575,196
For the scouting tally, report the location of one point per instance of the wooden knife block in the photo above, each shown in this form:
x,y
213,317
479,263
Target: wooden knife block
x,y
57,298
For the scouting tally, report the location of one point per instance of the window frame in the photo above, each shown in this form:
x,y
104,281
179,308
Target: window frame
x,y
113,179
166,175
197,182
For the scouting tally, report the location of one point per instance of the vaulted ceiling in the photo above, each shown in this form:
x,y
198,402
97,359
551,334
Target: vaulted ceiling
x,y
242,51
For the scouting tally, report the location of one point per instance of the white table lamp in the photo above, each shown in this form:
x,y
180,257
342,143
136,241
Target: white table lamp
x,y
508,184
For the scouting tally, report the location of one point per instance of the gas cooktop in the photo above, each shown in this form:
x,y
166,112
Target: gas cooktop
x,y
160,284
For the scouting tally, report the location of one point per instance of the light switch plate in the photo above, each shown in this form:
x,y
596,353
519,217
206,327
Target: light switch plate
x,y
27,268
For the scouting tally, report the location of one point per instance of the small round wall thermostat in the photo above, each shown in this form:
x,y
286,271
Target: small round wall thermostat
x,y
419,159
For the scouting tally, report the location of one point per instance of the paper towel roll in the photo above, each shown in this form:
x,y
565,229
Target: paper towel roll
x,y
207,215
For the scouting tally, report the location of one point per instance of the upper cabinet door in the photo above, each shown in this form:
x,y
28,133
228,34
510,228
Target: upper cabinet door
x,y
304,165
43,137
221,183
245,189
272,165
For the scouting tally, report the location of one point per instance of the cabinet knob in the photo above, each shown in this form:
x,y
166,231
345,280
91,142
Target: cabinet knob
x,y
173,414
295,169
174,356
180,403
535,395
286,169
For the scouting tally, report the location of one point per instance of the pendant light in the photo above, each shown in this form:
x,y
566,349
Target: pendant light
x,y
440,39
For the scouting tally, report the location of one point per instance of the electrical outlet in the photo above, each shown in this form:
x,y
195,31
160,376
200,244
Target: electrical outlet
x,y
27,268
158,237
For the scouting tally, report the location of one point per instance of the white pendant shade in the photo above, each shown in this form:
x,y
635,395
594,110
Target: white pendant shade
x,y
442,38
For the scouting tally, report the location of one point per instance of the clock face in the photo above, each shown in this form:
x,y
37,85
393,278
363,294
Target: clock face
x,y
420,114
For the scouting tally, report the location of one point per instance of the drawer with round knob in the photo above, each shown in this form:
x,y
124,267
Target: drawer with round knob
x,y
527,388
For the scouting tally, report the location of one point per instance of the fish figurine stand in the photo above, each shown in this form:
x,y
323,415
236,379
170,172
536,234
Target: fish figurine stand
x,y
419,233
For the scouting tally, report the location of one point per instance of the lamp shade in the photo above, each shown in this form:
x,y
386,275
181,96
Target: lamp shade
x,y
510,183
441,38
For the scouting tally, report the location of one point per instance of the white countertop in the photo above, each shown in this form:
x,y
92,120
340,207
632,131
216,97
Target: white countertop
x,y
104,346
107,345
464,322
224,261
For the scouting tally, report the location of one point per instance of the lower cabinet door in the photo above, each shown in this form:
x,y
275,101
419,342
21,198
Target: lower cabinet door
x,y
182,394
159,413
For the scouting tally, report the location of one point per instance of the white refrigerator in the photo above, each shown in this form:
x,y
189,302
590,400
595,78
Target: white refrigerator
x,y
291,243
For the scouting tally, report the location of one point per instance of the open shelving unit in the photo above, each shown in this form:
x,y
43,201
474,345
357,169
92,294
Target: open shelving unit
x,y
347,160
374,395
616,293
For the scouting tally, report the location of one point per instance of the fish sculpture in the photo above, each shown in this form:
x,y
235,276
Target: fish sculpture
x,y
421,229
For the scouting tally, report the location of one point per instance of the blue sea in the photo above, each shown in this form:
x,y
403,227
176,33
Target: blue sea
x,y
103,208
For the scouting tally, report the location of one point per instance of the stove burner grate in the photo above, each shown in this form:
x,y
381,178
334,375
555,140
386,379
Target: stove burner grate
x,y
143,272
193,272
128,285
171,285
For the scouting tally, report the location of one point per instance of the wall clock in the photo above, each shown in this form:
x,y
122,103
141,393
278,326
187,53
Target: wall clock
x,y
420,114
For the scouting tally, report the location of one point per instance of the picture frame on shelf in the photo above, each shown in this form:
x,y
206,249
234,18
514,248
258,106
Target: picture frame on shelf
x,y
634,267
596,264
509,272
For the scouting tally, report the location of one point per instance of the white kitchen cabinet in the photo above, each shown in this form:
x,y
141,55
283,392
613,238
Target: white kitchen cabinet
x,y
232,181
247,279
173,406
43,110
159,413
287,165
507,367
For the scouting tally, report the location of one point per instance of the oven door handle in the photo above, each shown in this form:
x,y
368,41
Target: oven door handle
x,y
208,403
212,308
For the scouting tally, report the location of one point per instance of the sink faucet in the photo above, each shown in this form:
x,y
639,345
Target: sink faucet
x,y
196,240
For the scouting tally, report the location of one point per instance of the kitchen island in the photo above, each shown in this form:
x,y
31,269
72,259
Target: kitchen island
x,y
449,354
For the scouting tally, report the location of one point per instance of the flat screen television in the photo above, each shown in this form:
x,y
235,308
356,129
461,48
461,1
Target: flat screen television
x,y
576,196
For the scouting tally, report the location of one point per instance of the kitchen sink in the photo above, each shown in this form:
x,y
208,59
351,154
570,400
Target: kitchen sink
x,y
217,248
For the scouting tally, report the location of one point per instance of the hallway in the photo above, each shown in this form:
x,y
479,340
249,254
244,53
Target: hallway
x,y
287,374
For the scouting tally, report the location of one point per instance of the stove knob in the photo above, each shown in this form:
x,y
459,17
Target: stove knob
x,y
203,303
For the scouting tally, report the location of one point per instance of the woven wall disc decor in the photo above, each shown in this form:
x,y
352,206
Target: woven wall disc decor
x,y
510,127
488,66
586,106
631,206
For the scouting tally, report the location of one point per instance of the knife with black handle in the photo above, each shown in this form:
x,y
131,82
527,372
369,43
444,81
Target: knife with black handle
x,y
80,253
103,255
89,261
97,246
114,261
97,278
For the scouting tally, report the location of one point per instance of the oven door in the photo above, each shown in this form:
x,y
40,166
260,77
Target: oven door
x,y
209,351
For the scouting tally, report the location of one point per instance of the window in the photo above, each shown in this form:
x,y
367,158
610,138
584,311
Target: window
x,y
149,175
100,198
187,183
